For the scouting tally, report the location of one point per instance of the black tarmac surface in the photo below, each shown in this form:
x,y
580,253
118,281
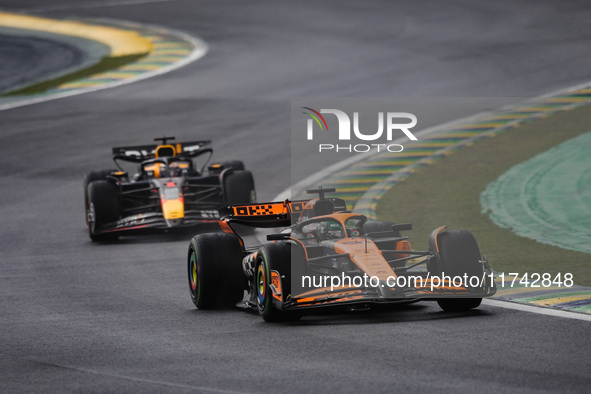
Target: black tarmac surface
x,y
82,317
26,60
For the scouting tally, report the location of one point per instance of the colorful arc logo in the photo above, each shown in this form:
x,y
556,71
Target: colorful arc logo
x,y
315,115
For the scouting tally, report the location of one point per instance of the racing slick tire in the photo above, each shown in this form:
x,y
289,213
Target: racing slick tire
x,y
103,207
459,255
214,267
89,178
239,188
375,226
235,165
273,257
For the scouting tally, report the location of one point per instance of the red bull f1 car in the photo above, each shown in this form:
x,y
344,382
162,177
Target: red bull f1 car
x,y
167,191
326,257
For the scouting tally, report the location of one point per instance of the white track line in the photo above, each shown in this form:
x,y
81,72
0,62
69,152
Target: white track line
x,y
540,310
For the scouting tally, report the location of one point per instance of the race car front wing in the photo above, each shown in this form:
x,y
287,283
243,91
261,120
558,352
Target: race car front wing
x,y
428,288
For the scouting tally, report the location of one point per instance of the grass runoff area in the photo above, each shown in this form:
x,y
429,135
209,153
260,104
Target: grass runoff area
x,y
106,64
448,193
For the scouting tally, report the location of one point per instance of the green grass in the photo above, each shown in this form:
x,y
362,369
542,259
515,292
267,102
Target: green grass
x,y
106,64
448,193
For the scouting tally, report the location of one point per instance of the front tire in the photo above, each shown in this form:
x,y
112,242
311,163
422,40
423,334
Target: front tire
x,y
459,304
274,257
103,207
460,255
214,267
88,179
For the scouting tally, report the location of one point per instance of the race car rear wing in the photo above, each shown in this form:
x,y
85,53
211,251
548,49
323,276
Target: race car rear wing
x,y
271,214
268,214
137,154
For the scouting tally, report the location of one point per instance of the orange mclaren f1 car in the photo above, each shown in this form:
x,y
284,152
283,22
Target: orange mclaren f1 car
x,y
330,257
167,191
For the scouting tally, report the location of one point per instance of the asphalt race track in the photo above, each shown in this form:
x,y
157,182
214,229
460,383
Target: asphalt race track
x,y
16,71
84,317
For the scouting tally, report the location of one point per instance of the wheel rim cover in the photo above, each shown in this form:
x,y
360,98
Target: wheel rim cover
x,y
193,272
91,217
262,286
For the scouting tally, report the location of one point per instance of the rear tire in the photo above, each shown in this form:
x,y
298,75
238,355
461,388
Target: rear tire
x,y
103,208
239,188
214,267
235,165
459,255
274,257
